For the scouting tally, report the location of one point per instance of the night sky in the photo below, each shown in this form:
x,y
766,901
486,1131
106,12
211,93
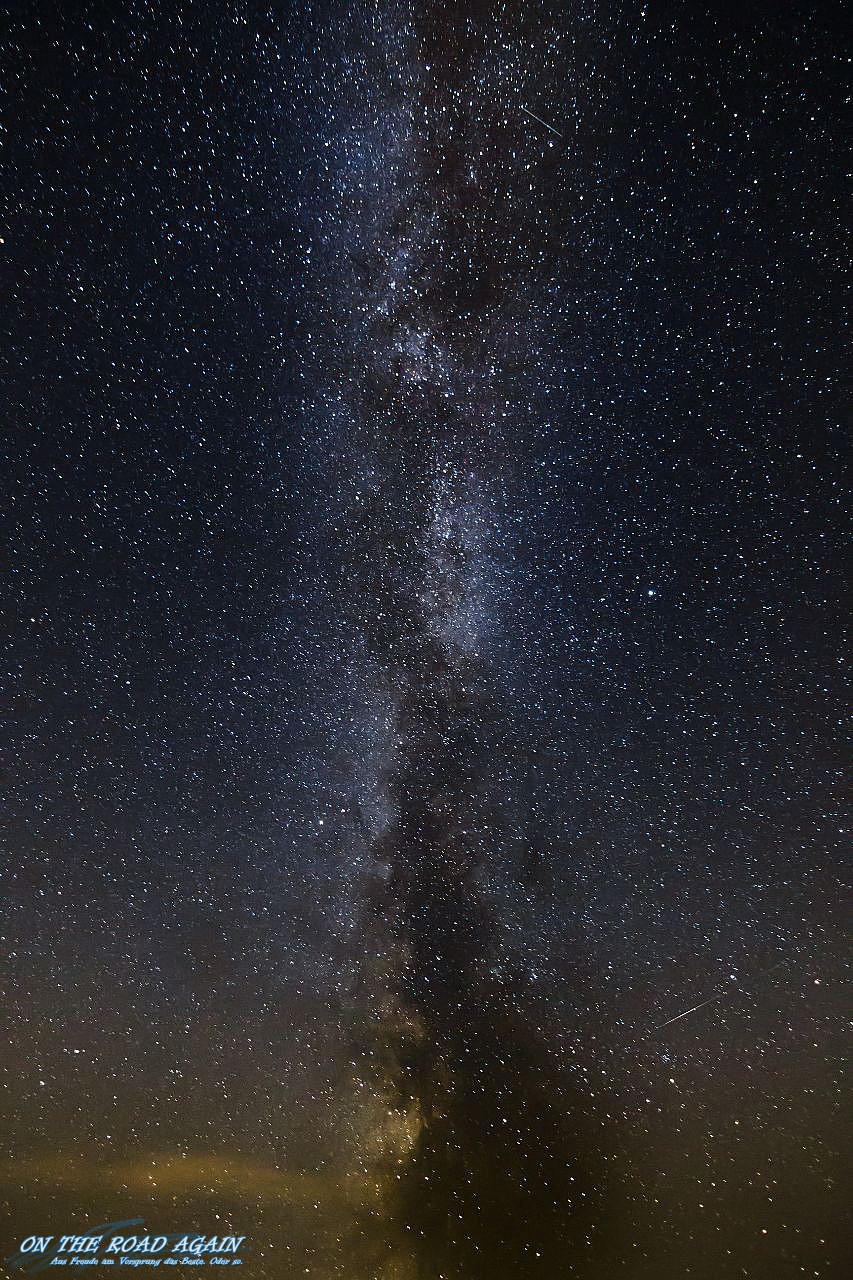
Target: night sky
x,y
422,617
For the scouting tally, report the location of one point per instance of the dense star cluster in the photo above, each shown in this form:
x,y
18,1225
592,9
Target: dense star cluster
x,y
422,656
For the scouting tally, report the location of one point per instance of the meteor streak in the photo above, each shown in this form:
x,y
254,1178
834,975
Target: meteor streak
x,y
541,121
719,995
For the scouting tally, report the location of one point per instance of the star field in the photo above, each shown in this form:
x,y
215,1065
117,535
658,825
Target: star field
x,y
423,657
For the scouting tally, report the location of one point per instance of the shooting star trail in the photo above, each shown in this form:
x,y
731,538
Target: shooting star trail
x,y
719,995
541,121
701,1005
